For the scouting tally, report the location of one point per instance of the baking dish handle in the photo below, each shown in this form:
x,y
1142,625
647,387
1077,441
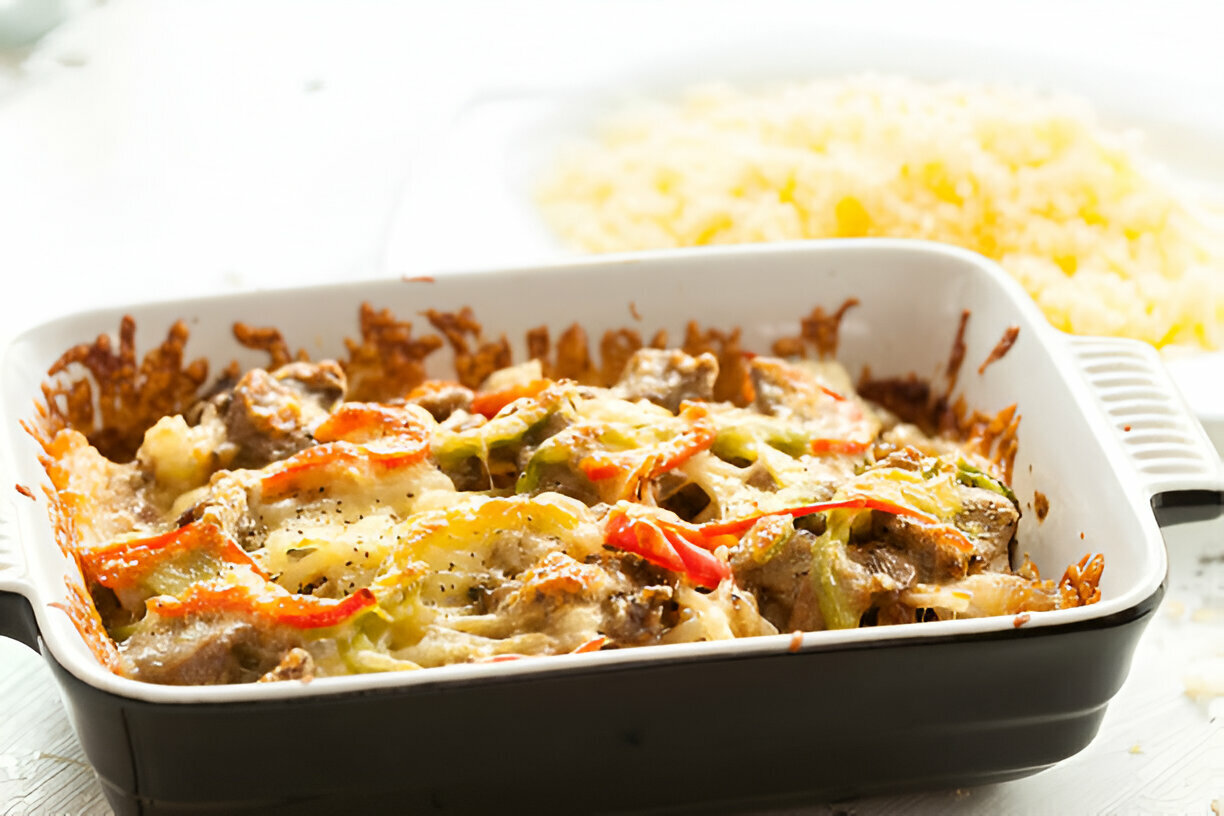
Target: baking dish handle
x,y
16,614
1154,426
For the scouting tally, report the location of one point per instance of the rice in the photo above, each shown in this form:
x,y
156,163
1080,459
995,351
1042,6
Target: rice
x,y
1096,233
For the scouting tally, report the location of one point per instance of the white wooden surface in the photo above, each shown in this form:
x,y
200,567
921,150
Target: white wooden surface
x,y
172,148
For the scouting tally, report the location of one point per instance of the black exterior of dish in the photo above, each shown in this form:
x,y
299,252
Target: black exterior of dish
x,y
17,619
723,734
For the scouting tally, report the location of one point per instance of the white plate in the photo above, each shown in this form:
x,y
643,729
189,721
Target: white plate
x,y
470,203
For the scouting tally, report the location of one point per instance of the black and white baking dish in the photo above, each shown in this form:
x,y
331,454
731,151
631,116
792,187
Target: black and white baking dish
x,y
727,725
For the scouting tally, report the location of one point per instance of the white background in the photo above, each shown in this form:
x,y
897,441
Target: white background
x,y
163,149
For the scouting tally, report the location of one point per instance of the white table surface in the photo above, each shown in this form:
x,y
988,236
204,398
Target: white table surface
x,y
165,149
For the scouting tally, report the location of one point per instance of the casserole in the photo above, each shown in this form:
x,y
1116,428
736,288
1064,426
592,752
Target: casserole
x,y
819,717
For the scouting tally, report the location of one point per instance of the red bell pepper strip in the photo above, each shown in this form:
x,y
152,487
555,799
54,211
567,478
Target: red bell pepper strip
x,y
701,566
847,446
367,421
357,436
308,612
657,459
489,403
666,544
641,537
125,564
592,645
276,604
313,467
602,466
502,658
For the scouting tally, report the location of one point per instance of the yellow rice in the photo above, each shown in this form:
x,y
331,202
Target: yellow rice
x,y
1095,232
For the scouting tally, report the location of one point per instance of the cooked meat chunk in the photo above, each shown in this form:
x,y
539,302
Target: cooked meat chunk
x,y
782,584
668,377
786,390
622,597
991,520
224,502
760,478
195,651
849,592
111,608
644,607
297,664
805,614
471,473
938,557
269,416
769,387
557,597
907,458
883,560
933,552
807,394
323,381
443,400
556,602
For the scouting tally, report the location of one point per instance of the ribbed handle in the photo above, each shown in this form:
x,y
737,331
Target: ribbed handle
x,y
1161,436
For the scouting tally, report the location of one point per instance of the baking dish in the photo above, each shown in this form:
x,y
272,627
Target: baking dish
x,y
754,722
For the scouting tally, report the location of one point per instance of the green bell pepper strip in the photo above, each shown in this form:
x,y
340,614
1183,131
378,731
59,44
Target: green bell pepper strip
x,y
970,476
